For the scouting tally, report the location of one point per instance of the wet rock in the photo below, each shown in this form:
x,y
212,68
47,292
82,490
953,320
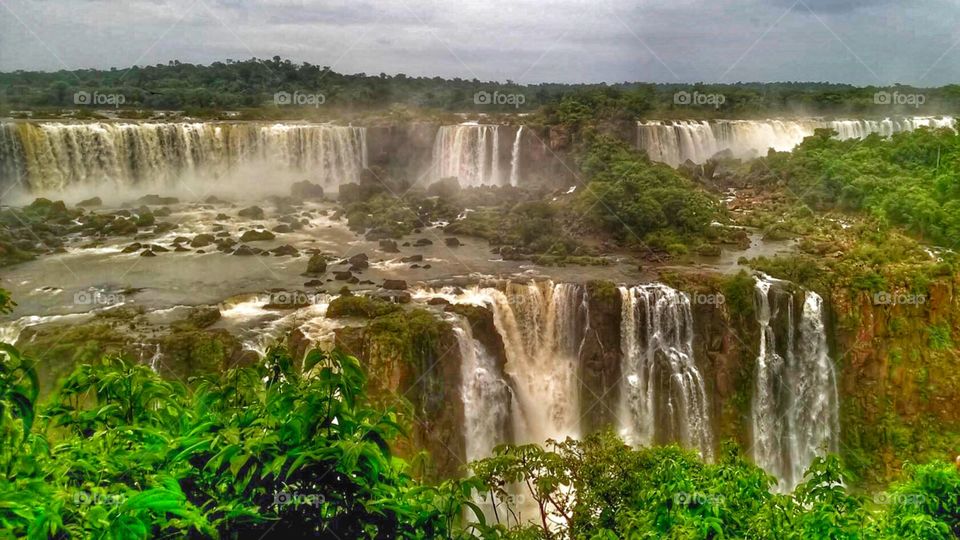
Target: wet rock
x,y
389,246
406,244
412,258
162,212
223,234
437,301
202,240
203,316
147,253
423,242
395,297
245,251
222,217
91,202
285,250
180,248
342,276
252,212
282,228
306,190
121,227
360,261
452,242
214,200
257,236
158,249
136,246
156,200
164,227
317,264
395,284
181,240
427,266
227,243
313,283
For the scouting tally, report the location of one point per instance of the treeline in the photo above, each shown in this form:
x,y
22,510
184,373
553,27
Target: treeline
x,y
251,84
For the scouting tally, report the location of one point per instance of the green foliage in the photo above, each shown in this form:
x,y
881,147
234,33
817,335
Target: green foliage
x,y
907,180
350,305
636,200
254,452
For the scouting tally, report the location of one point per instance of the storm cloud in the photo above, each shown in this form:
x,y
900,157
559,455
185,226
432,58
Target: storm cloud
x,y
866,42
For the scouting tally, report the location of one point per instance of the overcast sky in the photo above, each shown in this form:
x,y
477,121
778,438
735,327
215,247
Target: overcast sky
x,y
865,42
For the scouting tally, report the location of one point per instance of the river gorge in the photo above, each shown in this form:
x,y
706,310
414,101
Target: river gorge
x,y
508,350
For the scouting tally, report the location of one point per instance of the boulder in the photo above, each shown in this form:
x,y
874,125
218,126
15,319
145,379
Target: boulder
x,y
202,240
147,253
452,242
360,261
257,236
136,246
317,264
306,190
395,284
389,246
252,212
342,276
157,200
423,242
91,202
284,250
245,251
412,258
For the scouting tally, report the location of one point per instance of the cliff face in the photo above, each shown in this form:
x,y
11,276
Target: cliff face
x,y
416,357
600,357
900,378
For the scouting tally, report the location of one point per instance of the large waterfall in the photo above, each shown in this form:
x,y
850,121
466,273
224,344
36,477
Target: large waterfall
x,y
54,156
675,142
663,395
795,409
470,152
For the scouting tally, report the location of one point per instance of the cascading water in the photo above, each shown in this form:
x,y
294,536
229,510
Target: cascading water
x,y
470,152
53,156
541,325
515,158
487,397
795,409
663,395
675,142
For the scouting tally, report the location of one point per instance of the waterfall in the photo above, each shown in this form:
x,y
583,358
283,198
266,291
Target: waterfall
x,y
675,142
795,409
515,157
486,395
468,152
53,156
663,395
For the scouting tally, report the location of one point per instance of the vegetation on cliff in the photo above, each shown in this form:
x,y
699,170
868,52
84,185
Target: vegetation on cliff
x,y
274,451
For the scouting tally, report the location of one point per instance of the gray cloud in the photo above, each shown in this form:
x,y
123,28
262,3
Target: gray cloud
x,y
859,41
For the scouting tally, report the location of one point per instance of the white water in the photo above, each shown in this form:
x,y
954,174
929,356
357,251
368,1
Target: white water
x,y
663,395
675,142
795,409
515,157
57,156
470,152
486,395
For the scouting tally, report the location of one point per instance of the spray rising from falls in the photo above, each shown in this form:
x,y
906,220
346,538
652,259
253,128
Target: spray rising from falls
x,y
471,153
795,409
678,141
54,156
663,396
